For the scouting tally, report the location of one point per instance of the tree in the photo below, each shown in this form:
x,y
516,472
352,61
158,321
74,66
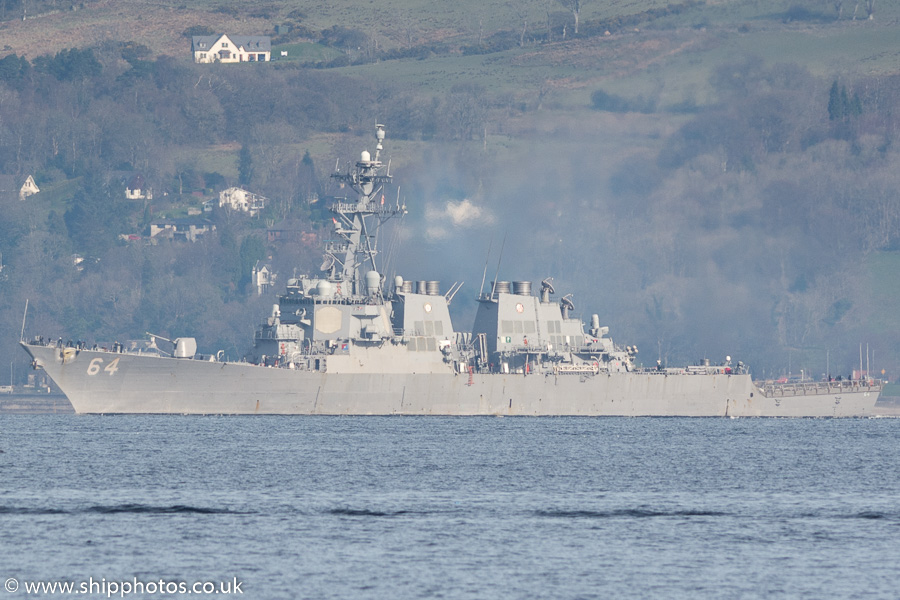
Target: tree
x,y
840,105
245,165
94,217
13,68
252,250
836,107
870,9
70,65
521,8
575,7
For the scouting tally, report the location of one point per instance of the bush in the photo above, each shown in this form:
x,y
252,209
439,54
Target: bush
x,y
601,100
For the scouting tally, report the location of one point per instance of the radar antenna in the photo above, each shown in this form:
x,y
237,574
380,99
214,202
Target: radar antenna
x,y
566,305
546,290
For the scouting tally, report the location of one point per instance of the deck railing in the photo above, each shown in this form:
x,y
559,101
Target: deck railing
x,y
811,388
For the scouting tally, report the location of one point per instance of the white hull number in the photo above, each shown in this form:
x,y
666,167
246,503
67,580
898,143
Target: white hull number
x,y
97,364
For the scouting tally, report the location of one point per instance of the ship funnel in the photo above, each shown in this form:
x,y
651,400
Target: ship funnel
x,y
433,288
500,287
521,288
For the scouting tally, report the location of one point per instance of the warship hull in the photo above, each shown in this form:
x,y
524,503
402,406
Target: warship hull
x,y
106,382
351,340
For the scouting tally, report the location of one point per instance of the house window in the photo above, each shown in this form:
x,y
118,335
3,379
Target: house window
x,y
203,44
203,55
224,54
224,44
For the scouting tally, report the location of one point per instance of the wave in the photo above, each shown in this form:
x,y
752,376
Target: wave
x,y
874,515
364,512
625,512
173,509
119,508
27,510
643,512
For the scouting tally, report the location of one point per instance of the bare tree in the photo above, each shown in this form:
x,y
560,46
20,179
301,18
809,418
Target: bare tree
x,y
575,7
521,8
870,9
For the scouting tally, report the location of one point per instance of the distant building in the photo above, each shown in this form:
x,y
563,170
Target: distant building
x,y
185,230
137,189
29,188
231,48
263,277
16,186
237,198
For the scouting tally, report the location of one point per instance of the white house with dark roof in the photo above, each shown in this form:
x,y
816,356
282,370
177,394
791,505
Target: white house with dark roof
x,y
231,48
137,189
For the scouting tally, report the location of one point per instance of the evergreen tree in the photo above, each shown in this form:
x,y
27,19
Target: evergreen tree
x,y
856,106
245,166
252,250
835,104
69,65
845,103
13,68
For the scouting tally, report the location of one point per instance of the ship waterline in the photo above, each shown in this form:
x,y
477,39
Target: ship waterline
x,y
151,384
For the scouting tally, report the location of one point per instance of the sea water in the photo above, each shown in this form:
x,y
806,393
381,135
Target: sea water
x,y
434,507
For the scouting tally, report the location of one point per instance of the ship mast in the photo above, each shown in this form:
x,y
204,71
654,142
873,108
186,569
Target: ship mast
x,y
352,256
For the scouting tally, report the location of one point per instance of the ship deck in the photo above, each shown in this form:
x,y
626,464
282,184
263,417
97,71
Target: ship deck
x,y
816,388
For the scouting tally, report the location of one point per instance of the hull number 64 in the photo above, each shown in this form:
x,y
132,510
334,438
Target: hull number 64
x,y
97,364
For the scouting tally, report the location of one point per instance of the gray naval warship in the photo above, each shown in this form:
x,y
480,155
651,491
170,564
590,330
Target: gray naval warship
x,y
350,341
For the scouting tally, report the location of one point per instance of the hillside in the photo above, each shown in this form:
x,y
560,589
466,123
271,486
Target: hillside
x,y
683,168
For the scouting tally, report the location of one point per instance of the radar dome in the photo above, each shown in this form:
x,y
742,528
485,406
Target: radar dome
x,y
324,288
373,282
